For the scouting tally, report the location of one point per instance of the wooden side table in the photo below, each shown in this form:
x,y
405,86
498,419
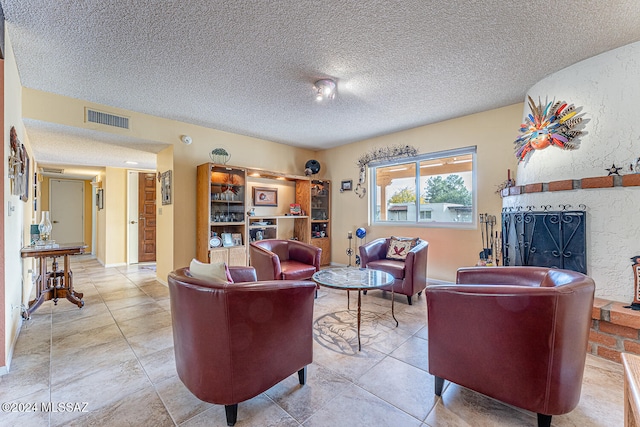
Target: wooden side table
x,y
631,364
54,284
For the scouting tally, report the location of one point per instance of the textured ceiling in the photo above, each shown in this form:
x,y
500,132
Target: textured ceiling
x,y
248,66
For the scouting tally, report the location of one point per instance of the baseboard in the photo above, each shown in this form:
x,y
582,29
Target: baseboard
x,y
5,369
118,264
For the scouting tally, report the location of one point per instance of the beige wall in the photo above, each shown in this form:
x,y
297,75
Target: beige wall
x,y
493,132
15,219
115,208
101,229
165,220
245,151
88,220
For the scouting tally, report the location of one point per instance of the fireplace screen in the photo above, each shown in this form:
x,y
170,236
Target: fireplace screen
x,y
544,239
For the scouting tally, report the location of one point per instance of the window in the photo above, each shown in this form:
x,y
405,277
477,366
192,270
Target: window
x,y
436,189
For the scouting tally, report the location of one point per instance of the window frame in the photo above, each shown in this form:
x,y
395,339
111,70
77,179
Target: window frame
x,y
373,194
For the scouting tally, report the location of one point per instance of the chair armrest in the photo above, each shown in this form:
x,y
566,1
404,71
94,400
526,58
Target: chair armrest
x,y
305,253
372,251
242,273
266,263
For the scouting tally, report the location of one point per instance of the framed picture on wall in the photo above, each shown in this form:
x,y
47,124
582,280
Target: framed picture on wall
x,y
265,196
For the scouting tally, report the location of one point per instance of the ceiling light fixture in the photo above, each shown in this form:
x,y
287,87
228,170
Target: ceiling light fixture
x,y
325,89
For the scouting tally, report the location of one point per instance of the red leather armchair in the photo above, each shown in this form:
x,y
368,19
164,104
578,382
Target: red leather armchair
x,y
276,259
410,275
516,334
235,341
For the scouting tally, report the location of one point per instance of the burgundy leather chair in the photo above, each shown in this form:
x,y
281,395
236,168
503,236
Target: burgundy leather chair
x,y
516,334
235,341
276,259
410,275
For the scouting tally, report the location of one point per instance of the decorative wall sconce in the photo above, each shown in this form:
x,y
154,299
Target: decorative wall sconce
x,y
165,187
100,198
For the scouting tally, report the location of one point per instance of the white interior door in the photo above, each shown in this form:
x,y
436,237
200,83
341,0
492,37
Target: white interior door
x,y
132,215
66,206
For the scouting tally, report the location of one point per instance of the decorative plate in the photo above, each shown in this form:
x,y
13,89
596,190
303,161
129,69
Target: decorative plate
x,y
215,242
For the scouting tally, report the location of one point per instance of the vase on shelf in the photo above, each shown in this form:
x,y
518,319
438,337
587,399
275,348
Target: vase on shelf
x,y
45,226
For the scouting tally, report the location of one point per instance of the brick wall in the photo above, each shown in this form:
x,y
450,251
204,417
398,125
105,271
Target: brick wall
x,y
614,329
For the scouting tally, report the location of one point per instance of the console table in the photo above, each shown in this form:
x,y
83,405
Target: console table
x,y
53,284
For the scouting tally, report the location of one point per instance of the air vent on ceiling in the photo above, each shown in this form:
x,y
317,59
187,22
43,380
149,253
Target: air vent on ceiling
x,y
52,170
94,116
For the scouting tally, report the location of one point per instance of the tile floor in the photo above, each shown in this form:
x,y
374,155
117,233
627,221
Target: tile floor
x,y
116,355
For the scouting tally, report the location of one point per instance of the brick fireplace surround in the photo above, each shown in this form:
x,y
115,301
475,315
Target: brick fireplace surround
x,y
614,329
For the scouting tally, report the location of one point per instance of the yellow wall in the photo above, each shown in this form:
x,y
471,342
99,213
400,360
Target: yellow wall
x,y
165,220
115,207
101,229
493,132
16,282
88,220
245,151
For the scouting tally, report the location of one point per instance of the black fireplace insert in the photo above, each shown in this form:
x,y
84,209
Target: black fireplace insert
x,y
545,238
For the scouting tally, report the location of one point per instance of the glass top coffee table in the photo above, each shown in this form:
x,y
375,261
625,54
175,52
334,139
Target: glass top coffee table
x,y
355,279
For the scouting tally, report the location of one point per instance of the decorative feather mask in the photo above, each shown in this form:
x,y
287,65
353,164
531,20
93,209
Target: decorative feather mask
x,y
545,126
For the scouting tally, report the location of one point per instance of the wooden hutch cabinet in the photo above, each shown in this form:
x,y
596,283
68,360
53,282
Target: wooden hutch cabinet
x,y
321,218
220,218
224,196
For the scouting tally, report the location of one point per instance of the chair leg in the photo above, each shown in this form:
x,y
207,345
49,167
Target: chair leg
x,y
302,375
544,420
409,299
420,293
232,414
439,384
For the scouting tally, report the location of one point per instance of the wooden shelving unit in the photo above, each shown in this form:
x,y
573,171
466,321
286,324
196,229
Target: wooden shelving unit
x,y
320,201
221,207
274,227
224,197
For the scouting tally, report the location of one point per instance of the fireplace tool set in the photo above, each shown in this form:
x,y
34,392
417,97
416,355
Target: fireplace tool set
x,y
489,238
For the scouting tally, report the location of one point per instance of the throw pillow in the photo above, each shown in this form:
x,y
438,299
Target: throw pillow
x,y
399,247
217,272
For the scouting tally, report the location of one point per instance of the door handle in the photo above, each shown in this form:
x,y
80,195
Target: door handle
x,y
55,222
133,222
